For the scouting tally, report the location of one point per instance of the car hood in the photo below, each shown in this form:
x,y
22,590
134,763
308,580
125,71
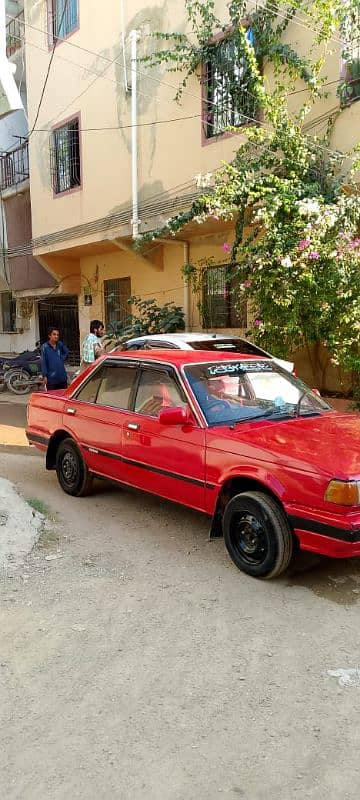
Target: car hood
x,y
329,444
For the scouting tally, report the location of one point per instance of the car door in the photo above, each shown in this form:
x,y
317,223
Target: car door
x,y
95,416
164,459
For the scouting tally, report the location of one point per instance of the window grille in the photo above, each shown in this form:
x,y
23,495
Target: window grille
x,y
220,306
65,17
14,166
117,293
228,86
65,157
15,33
351,90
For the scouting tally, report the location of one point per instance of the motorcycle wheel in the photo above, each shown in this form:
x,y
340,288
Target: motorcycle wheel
x,y
18,381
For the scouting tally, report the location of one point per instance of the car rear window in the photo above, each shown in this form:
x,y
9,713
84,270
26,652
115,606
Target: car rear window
x,y
229,346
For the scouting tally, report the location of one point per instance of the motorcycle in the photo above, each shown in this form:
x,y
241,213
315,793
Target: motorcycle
x,y
21,373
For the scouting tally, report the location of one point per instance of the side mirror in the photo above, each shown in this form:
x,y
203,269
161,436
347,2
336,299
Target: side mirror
x,y
173,416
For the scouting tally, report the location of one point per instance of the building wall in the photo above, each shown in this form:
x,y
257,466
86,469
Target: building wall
x,y
90,83
146,281
24,271
103,103
106,155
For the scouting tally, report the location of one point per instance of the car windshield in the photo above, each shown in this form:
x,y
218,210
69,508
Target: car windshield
x,y
228,345
237,391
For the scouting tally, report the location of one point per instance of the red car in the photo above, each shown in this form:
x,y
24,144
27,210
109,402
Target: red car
x,y
234,436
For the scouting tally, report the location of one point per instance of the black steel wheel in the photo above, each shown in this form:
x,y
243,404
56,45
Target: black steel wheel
x,y
72,472
18,381
257,535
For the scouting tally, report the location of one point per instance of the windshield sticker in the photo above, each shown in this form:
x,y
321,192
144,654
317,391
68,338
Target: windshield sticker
x,y
240,367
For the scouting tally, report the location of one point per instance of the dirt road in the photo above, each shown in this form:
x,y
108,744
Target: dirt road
x,y
138,663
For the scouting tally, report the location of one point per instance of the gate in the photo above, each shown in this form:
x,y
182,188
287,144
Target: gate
x,y
62,312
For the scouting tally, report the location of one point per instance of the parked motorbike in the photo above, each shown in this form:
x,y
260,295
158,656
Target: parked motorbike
x,y
21,373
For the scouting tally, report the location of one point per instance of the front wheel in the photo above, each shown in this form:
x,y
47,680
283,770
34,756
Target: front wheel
x,y
257,535
72,472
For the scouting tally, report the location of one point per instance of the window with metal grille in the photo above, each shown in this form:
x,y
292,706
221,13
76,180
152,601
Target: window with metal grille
x,y
228,83
65,17
351,90
117,293
65,157
220,306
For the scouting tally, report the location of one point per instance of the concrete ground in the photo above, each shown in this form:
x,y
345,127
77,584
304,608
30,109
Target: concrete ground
x,y
138,663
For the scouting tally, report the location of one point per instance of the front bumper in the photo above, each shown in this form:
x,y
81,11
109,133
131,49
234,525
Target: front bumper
x,y
325,533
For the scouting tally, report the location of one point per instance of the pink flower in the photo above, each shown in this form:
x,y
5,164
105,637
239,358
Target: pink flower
x,y
303,244
227,247
314,254
257,323
247,284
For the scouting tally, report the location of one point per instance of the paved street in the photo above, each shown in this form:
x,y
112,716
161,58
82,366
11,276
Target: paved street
x,y
137,662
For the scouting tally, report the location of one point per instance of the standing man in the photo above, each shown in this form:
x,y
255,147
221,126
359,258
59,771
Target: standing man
x,y
53,355
91,346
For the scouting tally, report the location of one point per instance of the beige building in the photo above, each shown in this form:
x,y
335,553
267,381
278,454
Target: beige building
x,y
84,155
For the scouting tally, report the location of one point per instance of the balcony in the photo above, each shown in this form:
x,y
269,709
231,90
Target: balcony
x,y
15,34
14,166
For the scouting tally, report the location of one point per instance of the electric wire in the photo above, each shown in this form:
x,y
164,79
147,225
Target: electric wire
x,y
42,94
146,75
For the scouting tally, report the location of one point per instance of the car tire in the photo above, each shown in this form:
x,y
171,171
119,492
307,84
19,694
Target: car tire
x,y
72,472
257,535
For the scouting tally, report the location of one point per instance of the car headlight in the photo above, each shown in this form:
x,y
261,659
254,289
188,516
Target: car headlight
x,y
343,493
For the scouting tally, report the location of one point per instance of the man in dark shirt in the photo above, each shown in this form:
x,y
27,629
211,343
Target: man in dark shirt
x,y
53,355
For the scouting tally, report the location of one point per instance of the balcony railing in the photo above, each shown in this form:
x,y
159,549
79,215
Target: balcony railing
x,y
15,34
14,166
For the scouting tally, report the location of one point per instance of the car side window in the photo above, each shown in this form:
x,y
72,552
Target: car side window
x,y
156,345
157,390
88,392
135,346
116,385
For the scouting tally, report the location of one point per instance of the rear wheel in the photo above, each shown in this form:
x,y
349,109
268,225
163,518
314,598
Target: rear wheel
x,y
257,535
72,472
18,381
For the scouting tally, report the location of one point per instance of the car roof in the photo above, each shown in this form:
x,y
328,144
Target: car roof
x,y
184,337
181,357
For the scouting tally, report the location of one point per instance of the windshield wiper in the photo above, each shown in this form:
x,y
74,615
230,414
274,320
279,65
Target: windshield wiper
x,y
274,412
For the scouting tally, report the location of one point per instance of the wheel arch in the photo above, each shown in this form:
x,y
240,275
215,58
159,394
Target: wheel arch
x,y
233,485
53,445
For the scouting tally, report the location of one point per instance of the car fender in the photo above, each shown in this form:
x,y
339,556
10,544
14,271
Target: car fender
x,y
241,478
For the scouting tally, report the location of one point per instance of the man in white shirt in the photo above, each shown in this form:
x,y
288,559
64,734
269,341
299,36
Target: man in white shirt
x,y
92,347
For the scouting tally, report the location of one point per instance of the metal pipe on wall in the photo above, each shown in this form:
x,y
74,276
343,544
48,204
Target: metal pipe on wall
x,y
134,38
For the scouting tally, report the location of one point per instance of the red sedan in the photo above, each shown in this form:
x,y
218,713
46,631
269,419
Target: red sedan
x,y
236,437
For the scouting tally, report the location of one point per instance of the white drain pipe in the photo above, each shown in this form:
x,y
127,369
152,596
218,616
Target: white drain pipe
x,y
134,38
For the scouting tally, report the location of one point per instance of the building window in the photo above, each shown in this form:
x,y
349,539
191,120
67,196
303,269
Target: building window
x,y
65,18
8,313
117,293
350,90
228,82
220,308
65,157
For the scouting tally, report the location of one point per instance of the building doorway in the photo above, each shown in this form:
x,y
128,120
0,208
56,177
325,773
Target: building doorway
x,y
62,312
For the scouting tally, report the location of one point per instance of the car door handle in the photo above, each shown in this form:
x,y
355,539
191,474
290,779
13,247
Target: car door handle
x,y
133,426
71,411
